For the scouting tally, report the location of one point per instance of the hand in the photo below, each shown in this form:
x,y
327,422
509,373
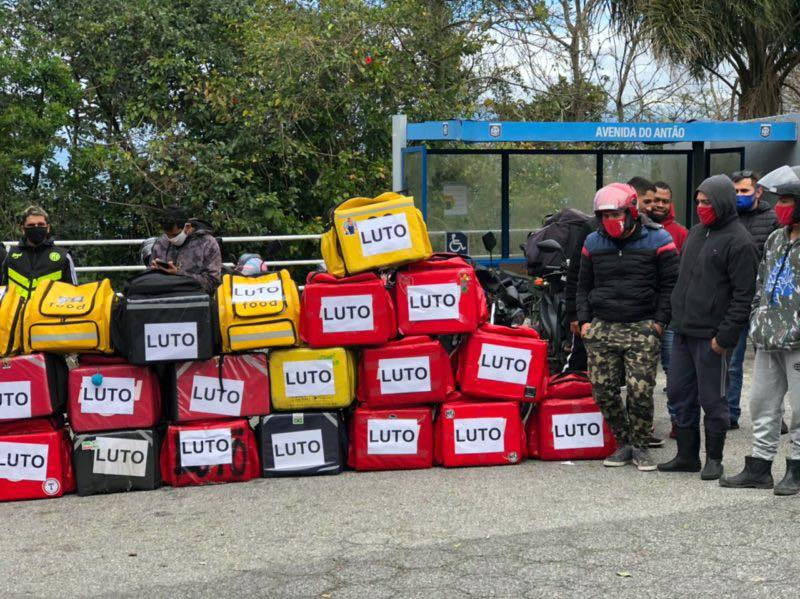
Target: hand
x,y
718,349
575,327
585,328
659,329
170,268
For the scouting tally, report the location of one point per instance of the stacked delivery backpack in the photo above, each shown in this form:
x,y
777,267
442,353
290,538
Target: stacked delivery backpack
x,y
567,424
115,412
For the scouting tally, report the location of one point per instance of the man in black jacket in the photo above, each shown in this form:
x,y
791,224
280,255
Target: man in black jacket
x,y
760,220
36,259
628,269
710,308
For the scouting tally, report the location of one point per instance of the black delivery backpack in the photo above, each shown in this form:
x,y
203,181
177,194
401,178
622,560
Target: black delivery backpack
x,y
566,227
117,461
302,443
164,318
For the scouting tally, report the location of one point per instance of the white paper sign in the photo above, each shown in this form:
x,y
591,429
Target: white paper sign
x,y
245,293
479,435
347,313
209,398
23,461
384,234
392,436
504,364
170,341
15,400
120,457
433,302
301,449
455,199
206,447
573,431
306,378
404,375
115,395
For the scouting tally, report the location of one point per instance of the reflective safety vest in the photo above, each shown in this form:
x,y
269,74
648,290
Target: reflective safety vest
x,y
28,267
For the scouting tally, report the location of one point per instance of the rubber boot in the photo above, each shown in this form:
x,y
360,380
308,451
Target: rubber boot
x,y
688,457
790,485
715,443
757,474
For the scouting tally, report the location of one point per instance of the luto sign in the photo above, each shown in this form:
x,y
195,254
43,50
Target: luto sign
x,y
576,431
170,341
384,234
346,314
15,400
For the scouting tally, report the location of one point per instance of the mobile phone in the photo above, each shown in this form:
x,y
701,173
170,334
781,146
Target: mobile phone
x,y
161,263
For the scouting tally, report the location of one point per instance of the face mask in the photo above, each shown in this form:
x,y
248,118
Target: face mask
x,y
656,217
615,227
706,215
179,239
744,202
785,213
35,235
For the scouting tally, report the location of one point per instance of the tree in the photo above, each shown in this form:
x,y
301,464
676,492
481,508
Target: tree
x,y
758,41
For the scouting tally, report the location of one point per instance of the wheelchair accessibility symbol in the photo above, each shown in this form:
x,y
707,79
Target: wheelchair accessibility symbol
x,y
457,242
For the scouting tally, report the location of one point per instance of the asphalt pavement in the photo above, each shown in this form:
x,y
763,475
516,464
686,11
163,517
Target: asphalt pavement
x,y
533,530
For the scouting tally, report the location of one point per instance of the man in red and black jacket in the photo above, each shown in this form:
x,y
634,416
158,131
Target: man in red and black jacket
x,y
627,273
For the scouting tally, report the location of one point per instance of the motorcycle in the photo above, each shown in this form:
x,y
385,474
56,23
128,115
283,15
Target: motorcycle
x,y
510,297
549,310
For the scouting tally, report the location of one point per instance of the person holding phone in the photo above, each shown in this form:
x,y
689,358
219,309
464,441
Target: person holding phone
x,y
187,247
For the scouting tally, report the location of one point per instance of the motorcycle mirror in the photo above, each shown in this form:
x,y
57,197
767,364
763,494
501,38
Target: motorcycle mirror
x,y
550,244
489,241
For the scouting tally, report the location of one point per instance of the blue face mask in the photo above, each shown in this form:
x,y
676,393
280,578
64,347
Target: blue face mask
x,y
744,202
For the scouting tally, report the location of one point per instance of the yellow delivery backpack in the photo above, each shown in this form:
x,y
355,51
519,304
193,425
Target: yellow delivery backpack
x,y
258,312
370,233
64,318
303,379
11,306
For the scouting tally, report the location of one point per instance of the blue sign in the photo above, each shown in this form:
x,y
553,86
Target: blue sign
x,y
484,131
457,242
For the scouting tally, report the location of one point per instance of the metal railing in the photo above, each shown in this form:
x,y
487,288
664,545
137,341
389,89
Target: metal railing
x,y
238,239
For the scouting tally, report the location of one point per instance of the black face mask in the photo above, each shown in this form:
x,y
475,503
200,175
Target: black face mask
x,y
35,235
657,218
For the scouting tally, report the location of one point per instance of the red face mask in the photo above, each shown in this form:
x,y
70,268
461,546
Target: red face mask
x,y
785,213
706,215
615,227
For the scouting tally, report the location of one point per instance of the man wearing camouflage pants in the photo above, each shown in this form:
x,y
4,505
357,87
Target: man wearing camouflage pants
x,y
628,269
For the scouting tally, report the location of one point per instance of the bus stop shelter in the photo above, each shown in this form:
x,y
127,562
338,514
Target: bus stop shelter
x,y
470,177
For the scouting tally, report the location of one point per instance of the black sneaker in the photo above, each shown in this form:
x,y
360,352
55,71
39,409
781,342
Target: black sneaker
x,y
621,457
654,441
643,460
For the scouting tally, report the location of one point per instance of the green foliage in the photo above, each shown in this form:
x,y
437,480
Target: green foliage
x,y
257,116
758,39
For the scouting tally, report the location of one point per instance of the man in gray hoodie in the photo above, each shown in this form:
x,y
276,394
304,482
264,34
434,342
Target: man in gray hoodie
x,y
710,308
775,331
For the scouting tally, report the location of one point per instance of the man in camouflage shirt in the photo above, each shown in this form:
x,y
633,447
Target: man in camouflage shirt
x,y
775,331
189,248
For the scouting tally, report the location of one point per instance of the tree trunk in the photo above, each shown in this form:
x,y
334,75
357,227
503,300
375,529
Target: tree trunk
x,y
760,96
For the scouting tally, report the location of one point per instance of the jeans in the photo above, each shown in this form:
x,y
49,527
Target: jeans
x,y
698,380
666,353
736,373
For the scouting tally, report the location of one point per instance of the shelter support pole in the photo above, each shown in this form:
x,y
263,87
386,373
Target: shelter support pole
x,y
399,123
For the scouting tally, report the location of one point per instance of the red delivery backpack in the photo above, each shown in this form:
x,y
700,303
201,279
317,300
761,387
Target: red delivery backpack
x,y
107,393
570,429
206,453
474,433
35,460
504,363
355,310
411,371
391,439
230,386
439,296
32,386
569,385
